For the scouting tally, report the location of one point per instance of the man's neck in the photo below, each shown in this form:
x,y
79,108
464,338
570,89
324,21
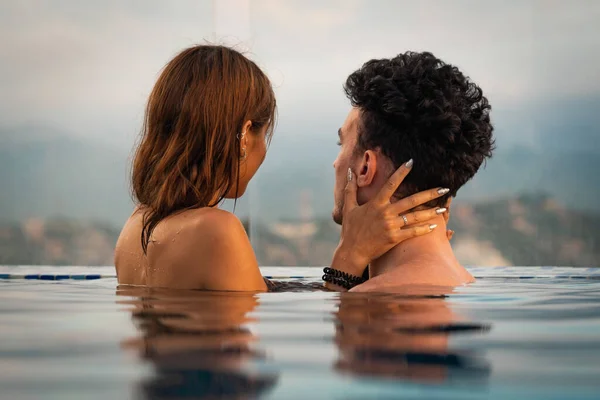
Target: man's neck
x,y
429,249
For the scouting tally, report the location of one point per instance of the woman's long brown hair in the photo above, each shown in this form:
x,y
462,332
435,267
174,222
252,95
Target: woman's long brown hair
x,y
189,153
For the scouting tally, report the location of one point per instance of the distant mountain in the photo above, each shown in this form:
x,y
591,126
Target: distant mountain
x,y
64,176
551,146
44,174
57,241
569,177
525,230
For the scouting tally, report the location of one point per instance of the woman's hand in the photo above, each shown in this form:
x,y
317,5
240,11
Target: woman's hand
x,y
370,230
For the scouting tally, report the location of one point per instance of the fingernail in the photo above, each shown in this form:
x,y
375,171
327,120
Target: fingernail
x,y
409,163
432,226
443,191
440,210
349,175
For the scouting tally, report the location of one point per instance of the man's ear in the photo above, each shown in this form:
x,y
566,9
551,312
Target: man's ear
x,y
448,202
365,173
446,214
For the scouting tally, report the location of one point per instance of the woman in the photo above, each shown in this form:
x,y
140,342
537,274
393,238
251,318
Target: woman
x,y
208,122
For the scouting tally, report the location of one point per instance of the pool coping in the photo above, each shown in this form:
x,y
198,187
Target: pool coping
x,y
56,273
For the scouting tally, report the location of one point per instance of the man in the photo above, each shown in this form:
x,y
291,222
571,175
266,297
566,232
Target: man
x,y
413,107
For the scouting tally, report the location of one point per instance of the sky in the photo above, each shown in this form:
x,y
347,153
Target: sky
x,y
86,68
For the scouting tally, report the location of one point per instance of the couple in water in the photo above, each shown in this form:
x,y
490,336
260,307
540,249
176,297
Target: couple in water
x,y
416,132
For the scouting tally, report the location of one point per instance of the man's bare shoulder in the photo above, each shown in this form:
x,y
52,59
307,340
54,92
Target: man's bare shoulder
x,y
410,278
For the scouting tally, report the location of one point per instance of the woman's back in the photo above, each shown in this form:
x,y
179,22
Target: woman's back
x,y
130,261
205,248
166,249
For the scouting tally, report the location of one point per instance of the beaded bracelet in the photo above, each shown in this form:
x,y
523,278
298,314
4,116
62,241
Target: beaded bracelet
x,y
338,281
340,278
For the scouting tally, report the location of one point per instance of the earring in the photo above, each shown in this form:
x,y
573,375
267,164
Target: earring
x,y
240,137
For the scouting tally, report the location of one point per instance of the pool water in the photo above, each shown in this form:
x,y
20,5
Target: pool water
x,y
518,333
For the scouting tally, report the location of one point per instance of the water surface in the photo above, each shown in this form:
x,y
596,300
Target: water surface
x,y
517,333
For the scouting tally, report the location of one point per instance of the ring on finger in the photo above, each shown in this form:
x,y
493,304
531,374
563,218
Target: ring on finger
x,y
405,220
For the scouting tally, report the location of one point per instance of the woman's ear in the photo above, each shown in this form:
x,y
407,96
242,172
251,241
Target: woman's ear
x,y
243,138
247,126
365,173
243,135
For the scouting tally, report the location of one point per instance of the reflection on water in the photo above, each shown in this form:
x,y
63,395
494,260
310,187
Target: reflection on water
x,y
505,337
200,345
404,336
197,342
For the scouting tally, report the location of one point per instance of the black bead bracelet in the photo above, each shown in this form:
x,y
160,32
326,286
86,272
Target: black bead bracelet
x,y
337,281
340,278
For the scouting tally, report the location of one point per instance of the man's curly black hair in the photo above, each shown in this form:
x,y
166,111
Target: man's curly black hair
x,y
416,106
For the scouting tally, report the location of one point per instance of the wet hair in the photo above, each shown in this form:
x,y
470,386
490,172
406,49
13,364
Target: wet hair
x,y
416,106
189,153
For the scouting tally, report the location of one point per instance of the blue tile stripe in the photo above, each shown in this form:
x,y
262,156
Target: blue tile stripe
x,y
525,273
56,277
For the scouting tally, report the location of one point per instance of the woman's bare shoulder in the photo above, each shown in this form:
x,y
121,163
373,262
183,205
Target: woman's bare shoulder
x,y
215,241
183,235
205,227
219,221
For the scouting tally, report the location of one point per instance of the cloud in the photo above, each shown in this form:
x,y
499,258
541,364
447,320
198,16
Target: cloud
x,y
521,53
87,67
513,48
